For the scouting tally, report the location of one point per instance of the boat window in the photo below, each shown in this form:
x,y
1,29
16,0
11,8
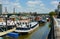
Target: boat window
x,y
22,28
26,23
2,29
30,25
9,27
23,22
20,22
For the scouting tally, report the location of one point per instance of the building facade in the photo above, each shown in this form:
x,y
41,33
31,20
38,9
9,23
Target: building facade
x,y
0,8
58,10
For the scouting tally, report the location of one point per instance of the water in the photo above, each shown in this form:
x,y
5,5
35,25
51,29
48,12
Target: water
x,y
39,33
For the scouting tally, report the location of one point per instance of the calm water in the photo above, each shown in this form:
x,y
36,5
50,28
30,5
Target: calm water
x,y
39,33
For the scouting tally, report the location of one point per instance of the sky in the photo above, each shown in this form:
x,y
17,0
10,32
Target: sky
x,y
40,6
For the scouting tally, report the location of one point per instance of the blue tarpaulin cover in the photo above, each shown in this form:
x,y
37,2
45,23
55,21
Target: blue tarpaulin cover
x,y
14,35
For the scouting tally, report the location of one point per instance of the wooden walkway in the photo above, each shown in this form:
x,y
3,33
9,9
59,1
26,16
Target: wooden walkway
x,y
8,31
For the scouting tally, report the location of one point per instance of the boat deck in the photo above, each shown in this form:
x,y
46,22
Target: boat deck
x,y
34,25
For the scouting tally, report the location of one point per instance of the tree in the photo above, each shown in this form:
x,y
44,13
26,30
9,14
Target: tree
x,y
35,13
52,13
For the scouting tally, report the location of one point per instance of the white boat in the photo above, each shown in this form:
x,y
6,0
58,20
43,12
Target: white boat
x,y
6,28
26,26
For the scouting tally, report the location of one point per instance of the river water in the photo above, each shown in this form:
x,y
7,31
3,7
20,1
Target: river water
x,y
40,33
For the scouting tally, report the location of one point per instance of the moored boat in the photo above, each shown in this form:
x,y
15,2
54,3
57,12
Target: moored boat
x,y
5,27
26,26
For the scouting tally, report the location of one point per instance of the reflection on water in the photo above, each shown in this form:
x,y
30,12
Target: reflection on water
x,y
39,33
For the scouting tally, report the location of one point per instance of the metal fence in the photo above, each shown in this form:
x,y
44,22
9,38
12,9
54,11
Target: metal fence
x,y
51,33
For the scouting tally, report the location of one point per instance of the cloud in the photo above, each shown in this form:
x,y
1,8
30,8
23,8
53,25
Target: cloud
x,y
0,1
14,4
32,3
55,3
42,5
17,0
37,6
32,6
5,2
10,5
35,3
17,5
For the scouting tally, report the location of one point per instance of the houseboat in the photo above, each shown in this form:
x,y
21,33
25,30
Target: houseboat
x,y
40,20
25,25
6,26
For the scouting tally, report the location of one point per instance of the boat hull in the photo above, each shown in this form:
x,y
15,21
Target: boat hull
x,y
27,31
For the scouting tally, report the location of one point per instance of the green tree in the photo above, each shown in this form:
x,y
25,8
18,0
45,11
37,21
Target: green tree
x,y
35,13
52,13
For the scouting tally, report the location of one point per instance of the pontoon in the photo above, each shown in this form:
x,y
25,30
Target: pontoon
x,y
5,27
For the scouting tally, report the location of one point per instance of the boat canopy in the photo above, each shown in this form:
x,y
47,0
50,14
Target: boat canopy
x,y
24,17
14,16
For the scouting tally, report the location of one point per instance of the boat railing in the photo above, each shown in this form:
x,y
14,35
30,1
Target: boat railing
x,y
4,26
1,30
27,27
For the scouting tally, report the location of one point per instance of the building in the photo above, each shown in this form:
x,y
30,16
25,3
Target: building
x,y
6,10
58,10
0,8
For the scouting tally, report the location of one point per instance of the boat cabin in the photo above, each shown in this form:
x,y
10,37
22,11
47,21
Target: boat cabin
x,y
38,18
23,22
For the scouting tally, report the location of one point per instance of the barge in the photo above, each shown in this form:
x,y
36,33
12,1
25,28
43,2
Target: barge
x,y
6,26
26,26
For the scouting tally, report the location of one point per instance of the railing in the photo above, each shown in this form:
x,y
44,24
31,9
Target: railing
x,y
51,33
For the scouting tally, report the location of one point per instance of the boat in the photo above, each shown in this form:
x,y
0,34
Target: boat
x,y
40,19
5,26
48,18
26,26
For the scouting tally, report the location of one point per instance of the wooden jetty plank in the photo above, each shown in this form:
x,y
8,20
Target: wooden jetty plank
x,y
5,32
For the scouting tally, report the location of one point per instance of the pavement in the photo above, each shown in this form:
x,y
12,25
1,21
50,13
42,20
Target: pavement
x,y
57,28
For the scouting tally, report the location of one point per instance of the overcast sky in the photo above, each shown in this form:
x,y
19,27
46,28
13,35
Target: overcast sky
x,y
40,6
